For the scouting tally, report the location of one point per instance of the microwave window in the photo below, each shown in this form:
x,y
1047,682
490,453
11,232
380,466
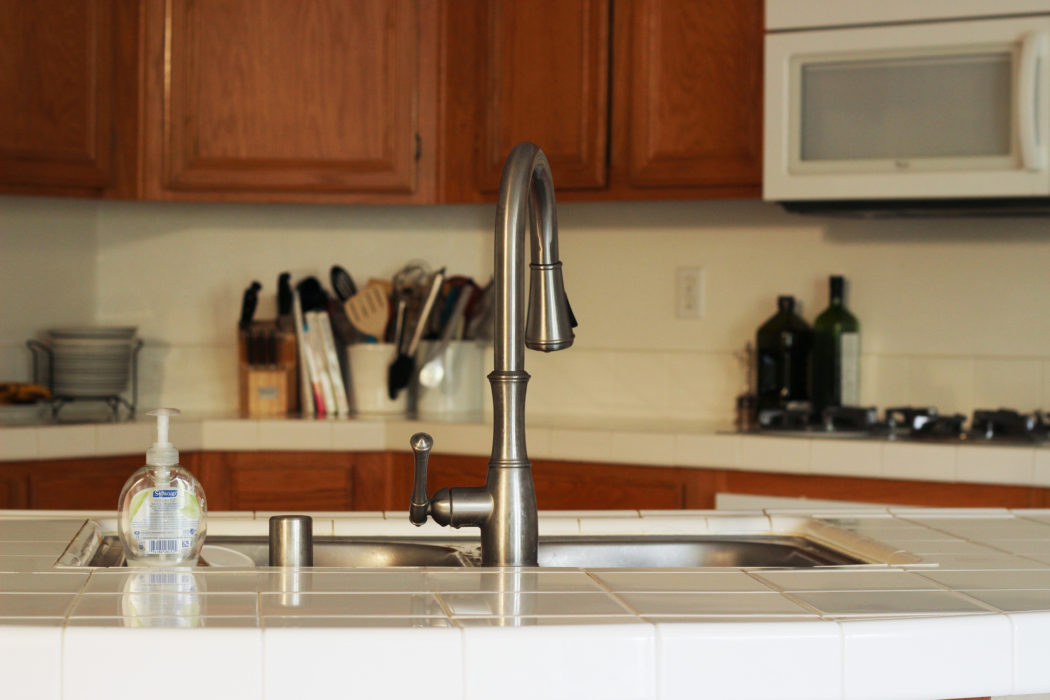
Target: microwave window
x,y
944,106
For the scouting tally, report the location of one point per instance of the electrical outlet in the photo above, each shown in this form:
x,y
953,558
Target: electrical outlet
x,y
689,292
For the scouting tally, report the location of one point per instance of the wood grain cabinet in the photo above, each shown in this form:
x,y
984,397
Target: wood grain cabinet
x,y
301,101
57,86
630,99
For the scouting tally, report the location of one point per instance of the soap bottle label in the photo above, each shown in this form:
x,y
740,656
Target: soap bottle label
x,y
165,521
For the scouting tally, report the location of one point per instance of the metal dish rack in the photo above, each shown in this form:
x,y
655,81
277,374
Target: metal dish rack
x,y
58,401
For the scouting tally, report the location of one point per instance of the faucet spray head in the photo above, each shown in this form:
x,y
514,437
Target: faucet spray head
x,y
549,324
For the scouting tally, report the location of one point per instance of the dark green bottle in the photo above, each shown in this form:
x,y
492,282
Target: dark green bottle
x,y
784,349
836,353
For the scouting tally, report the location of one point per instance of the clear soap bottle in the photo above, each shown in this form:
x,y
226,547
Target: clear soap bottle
x,y
162,512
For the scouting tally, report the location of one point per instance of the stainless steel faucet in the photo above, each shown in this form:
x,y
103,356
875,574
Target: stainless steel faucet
x,y
505,507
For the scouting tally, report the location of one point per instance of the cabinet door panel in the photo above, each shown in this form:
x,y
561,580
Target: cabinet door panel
x,y
289,481
93,484
547,83
694,97
56,72
313,95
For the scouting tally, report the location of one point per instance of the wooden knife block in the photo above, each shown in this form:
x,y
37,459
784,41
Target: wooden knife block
x,y
268,389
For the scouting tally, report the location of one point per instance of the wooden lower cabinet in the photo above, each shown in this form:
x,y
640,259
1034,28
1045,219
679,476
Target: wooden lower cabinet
x,y
374,481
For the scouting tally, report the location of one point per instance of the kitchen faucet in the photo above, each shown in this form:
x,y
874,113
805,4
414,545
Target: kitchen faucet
x,y
505,507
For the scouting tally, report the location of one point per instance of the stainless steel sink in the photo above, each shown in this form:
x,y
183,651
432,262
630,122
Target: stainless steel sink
x,y
569,551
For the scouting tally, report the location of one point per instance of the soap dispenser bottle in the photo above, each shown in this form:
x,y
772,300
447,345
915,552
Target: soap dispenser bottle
x,y
162,512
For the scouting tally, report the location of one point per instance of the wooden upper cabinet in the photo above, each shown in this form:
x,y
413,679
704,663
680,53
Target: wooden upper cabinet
x,y
629,99
56,82
547,83
281,100
688,94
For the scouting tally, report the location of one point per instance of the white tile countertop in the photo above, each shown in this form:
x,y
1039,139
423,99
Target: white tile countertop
x,y
639,442
957,604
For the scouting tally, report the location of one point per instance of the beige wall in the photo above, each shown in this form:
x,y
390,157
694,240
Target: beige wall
x,y
47,273
951,309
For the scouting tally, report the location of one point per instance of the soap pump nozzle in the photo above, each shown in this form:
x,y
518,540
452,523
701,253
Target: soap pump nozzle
x,y
162,453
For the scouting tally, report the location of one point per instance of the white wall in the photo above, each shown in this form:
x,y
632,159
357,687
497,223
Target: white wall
x,y
951,310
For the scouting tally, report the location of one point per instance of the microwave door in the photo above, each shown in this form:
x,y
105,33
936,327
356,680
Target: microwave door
x,y
942,110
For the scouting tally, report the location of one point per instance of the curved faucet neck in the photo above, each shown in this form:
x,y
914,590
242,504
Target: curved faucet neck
x,y
526,193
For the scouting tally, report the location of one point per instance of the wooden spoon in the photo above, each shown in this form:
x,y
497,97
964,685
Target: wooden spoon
x,y
369,310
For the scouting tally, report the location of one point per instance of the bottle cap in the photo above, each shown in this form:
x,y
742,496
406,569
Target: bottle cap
x,y
838,283
162,453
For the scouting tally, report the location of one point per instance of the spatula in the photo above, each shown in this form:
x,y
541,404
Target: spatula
x,y
369,310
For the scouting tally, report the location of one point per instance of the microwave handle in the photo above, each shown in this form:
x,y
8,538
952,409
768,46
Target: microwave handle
x,y
1032,62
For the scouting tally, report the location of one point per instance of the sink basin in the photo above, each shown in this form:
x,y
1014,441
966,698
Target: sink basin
x,y
569,551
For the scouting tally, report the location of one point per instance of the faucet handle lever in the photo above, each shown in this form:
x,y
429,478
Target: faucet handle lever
x,y
419,507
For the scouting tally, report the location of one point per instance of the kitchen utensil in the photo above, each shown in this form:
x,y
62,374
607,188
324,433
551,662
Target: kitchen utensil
x,y
479,317
433,370
342,283
399,339
402,368
285,319
369,310
248,304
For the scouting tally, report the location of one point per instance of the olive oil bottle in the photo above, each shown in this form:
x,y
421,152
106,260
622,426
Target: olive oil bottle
x,y
836,353
784,348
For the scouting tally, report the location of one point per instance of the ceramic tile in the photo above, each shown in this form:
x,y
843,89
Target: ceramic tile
x,y
352,604
923,547
845,458
1020,600
358,436
703,384
42,583
308,621
711,451
559,621
1041,468
449,438
896,603
995,465
229,434
15,564
650,604
911,461
991,580
225,662
679,581
18,443
800,659
948,657
231,527
362,662
33,548
725,522
34,604
32,621
642,448
131,438
531,604
57,442
295,434
1031,649
148,603
950,562
30,662
1023,547
832,580
581,445
474,581
942,381
170,621
553,525
394,525
598,525
376,581
772,454
1008,382
595,661
24,530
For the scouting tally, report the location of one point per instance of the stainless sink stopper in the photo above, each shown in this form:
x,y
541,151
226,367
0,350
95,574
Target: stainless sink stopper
x,y
291,540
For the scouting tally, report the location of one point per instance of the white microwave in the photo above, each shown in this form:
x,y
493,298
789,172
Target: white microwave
x,y
928,112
